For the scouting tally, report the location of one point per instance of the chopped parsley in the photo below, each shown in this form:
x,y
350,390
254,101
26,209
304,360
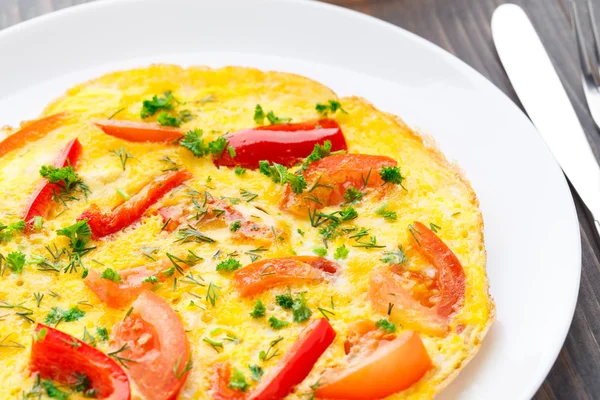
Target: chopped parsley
x,y
151,107
7,231
217,146
58,314
320,251
239,171
53,392
277,323
341,253
235,226
111,275
257,372
231,151
229,265
67,180
390,215
259,309
79,234
300,310
330,107
194,142
165,119
259,117
102,334
153,279
284,301
391,175
385,326
319,152
279,174
352,194
15,261
237,381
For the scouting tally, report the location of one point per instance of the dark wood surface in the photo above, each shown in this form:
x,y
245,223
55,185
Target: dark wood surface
x,y
462,27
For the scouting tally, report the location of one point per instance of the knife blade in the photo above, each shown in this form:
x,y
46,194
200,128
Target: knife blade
x,y
541,92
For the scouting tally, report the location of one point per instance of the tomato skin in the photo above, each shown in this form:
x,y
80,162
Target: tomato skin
x,y
41,198
451,275
138,131
339,172
266,274
103,224
394,366
296,363
56,357
32,132
220,384
157,343
284,144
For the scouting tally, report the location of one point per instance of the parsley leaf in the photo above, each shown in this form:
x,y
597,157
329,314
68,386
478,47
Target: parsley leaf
x,y
259,309
235,226
229,265
239,171
300,310
391,174
79,234
15,261
277,323
257,372
217,146
352,194
194,142
231,151
111,275
102,334
273,119
6,231
320,251
165,119
237,381
67,180
341,253
259,115
330,107
58,314
151,107
391,215
279,174
53,392
284,301
386,326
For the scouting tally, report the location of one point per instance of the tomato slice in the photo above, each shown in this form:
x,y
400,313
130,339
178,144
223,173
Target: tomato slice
x,y
32,132
172,217
103,224
220,385
138,131
297,362
58,356
156,345
393,366
285,144
329,178
262,275
41,198
451,275
119,295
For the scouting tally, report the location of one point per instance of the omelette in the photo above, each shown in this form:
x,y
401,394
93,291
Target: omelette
x,y
198,233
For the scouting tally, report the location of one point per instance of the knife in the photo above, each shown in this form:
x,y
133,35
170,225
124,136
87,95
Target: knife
x,y
542,94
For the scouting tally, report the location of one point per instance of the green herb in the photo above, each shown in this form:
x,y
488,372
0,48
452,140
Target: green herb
x,y
58,314
330,107
15,261
285,301
435,228
79,234
179,374
341,253
102,334
214,344
273,119
386,326
150,279
191,234
391,215
111,275
326,313
111,116
123,195
320,251
235,226
412,231
267,355
121,360
53,392
82,382
371,244
194,142
212,293
352,194
247,195
259,115
229,265
391,175
123,155
231,151
7,231
237,381
319,152
67,181
277,324
259,310
38,222
394,257
38,298
217,146
41,334
151,107
279,174
300,232
300,310
165,119
239,171
257,372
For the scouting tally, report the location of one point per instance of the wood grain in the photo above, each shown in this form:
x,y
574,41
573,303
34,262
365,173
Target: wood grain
x,y
462,27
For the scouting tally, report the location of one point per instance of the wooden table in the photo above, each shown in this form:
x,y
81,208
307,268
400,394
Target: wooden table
x,y
462,27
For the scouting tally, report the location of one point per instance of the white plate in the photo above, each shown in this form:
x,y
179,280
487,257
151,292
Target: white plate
x,y
531,229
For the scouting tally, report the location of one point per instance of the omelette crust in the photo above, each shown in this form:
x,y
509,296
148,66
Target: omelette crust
x,y
237,90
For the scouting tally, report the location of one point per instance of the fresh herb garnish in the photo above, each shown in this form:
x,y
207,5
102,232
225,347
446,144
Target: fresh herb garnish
x,y
53,392
391,215
341,253
279,174
259,309
394,257
235,226
257,372
330,107
277,324
391,175
259,117
239,171
434,228
386,326
151,107
165,119
58,314
237,381
352,194
67,180
320,251
15,261
123,155
111,275
300,309
285,301
267,355
229,265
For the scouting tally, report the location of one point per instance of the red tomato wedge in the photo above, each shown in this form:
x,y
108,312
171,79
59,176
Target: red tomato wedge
x,y
451,275
285,144
220,384
32,132
119,295
329,178
58,356
297,362
138,131
262,275
41,199
103,224
157,347
393,366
